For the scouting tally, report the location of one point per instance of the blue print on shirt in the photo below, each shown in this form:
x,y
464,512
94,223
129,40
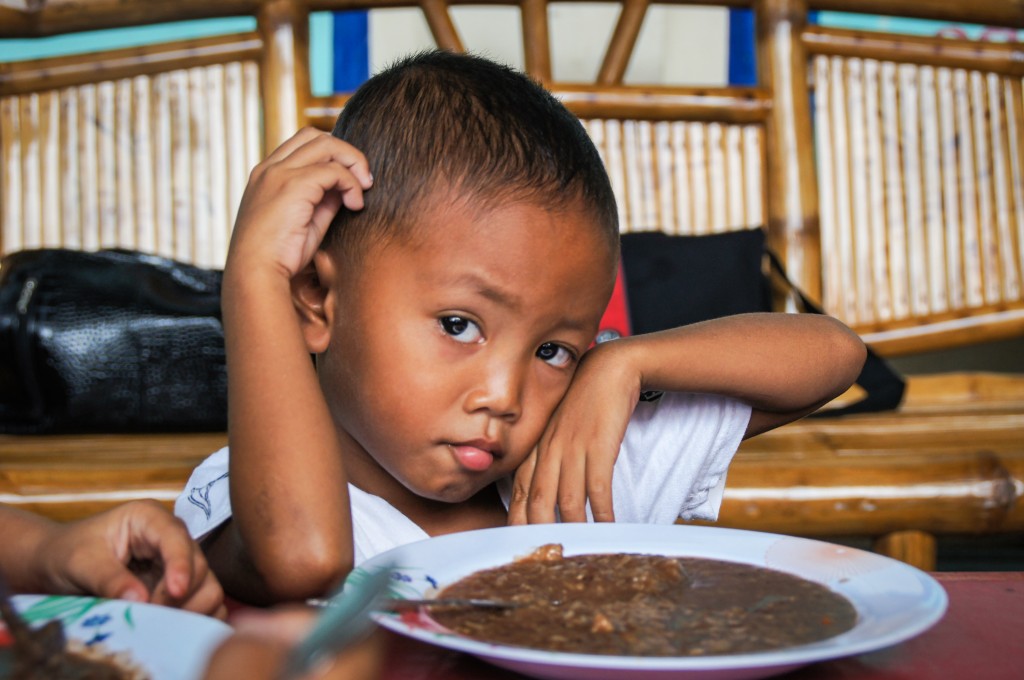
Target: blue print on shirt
x,y
199,496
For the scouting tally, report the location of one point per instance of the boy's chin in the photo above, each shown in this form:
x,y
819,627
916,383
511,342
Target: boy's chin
x,y
454,493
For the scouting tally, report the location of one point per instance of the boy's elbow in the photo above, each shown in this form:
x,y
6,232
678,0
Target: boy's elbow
x,y
848,353
265,573
306,572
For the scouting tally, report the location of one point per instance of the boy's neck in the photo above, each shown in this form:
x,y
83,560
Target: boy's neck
x,y
482,511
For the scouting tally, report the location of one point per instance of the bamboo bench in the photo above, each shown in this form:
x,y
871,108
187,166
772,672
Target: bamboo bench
x,y
886,171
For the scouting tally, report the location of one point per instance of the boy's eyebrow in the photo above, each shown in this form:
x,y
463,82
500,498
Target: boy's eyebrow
x,y
507,298
484,288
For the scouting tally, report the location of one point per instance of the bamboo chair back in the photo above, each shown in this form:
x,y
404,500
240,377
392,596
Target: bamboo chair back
x,y
682,160
920,167
886,170
139,148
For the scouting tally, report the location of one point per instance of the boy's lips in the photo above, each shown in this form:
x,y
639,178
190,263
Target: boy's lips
x,y
474,455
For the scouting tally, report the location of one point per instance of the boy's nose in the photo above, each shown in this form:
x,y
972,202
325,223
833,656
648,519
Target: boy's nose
x,y
498,391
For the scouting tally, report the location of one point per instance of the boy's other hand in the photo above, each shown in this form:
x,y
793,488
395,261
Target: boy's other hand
x,y
293,195
137,551
572,464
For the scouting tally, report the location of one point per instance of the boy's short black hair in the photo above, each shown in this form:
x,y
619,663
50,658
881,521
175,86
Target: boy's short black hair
x,y
438,122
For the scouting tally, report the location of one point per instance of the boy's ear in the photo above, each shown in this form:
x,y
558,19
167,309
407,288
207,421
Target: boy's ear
x,y
313,299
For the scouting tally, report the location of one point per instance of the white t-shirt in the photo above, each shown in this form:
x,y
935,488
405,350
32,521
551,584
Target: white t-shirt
x,y
672,464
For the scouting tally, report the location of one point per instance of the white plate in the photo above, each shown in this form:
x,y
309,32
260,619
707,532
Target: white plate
x,y
170,644
894,601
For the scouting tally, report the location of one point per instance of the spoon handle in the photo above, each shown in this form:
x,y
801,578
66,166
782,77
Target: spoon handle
x,y
344,621
398,604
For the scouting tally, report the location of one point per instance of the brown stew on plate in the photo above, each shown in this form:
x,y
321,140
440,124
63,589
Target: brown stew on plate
x,y
644,605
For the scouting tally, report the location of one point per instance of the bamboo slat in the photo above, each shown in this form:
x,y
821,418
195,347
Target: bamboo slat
x,y
51,17
619,50
792,210
284,70
536,39
934,492
723,105
59,72
995,57
441,25
70,477
48,17
986,12
911,546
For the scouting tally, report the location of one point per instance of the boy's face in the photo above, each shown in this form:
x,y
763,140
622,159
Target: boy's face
x,y
449,352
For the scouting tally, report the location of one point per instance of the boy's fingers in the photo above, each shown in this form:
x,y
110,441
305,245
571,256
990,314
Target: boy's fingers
x,y
540,506
599,492
328,207
572,490
521,490
330,185
288,147
329,149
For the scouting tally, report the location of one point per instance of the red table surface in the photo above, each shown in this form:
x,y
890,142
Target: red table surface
x,y
980,636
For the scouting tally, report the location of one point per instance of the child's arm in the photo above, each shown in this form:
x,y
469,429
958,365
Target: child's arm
x,y
93,555
264,639
783,365
290,536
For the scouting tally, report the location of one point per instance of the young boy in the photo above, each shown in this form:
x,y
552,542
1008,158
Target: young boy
x,y
451,317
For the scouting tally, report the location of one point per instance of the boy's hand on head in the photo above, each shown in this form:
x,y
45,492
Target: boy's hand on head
x,y
293,195
574,459
137,551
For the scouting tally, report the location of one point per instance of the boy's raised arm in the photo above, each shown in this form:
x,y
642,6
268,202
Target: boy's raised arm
x,y
784,366
290,536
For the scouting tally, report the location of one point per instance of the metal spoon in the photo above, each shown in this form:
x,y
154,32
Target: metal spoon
x,y
345,621
396,604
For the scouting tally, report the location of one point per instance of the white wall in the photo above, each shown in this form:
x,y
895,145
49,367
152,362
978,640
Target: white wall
x,y
677,45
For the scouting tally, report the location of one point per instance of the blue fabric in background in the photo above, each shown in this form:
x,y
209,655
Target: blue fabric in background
x,y
742,54
742,46
351,50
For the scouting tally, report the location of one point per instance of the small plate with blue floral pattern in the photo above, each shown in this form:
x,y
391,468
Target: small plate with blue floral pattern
x,y
165,643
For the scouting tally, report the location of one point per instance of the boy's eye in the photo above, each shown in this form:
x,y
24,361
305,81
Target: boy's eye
x,y
462,330
556,355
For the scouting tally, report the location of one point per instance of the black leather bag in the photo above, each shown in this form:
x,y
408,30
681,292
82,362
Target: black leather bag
x,y
677,280
109,341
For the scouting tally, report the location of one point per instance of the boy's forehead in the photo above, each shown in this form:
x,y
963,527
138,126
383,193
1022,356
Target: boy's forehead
x,y
432,219
549,246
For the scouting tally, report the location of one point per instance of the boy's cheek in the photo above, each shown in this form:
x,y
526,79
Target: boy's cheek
x,y
513,462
